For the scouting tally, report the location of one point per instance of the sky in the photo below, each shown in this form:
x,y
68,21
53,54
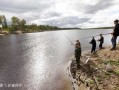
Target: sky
x,y
63,13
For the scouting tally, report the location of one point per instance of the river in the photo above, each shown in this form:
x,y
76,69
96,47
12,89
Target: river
x,y
37,61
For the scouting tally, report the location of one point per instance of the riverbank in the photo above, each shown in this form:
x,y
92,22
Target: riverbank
x,y
7,32
99,71
4,32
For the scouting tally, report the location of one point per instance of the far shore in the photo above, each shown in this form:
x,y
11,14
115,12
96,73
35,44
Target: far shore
x,y
7,32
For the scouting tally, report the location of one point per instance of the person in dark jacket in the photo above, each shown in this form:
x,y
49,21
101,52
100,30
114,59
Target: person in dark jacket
x,y
78,53
101,40
93,42
115,34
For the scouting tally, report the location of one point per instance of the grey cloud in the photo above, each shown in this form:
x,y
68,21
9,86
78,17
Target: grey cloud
x,y
67,20
47,15
20,7
74,20
28,9
99,6
52,14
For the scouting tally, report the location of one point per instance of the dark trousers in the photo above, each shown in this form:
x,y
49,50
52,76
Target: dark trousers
x,y
114,38
100,45
93,49
78,61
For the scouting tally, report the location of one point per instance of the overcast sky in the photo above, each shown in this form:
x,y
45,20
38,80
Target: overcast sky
x,y
63,13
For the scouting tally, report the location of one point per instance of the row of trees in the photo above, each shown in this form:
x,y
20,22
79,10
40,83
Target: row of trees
x,y
20,24
35,27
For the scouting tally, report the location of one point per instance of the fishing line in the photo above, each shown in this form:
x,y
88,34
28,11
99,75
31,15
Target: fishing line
x,y
68,39
93,36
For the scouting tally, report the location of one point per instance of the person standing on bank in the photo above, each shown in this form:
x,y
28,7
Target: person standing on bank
x,y
78,53
77,43
101,40
115,34
93,42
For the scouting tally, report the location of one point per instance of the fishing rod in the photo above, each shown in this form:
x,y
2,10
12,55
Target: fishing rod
x,y
83,38
68,39
93,36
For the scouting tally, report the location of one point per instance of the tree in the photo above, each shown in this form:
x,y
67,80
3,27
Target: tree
x,y
0,21
15,23
22,24
4,21
33,27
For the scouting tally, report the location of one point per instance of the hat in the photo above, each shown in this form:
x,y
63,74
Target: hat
x,y
116,21
77,40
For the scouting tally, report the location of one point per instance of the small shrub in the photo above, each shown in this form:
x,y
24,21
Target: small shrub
x,y
116,63
117,72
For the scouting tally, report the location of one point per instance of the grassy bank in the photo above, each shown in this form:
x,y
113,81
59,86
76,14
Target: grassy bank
x,y
100,72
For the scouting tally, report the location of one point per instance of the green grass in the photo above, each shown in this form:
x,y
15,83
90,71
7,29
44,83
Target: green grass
x,y
98,79
107,73
116,63
116,72
117,88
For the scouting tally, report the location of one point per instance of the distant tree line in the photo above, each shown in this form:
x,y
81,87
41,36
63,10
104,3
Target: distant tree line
x,y
20,24
102,28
